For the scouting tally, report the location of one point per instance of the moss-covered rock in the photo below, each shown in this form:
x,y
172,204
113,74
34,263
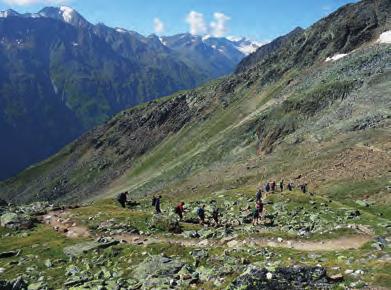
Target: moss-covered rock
x,y
16,221
165,223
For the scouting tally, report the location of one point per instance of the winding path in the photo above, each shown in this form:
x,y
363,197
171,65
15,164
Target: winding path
x,y
62,224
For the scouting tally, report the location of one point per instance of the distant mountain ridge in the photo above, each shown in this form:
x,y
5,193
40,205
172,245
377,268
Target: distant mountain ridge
x,y
62,75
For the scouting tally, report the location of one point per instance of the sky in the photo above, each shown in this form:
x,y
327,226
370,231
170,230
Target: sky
x,y
261,20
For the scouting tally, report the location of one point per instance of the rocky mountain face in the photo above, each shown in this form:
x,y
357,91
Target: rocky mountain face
x,y
309,109
61,76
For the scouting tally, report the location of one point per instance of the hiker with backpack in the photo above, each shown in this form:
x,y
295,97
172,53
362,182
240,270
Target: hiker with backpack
x,y
201,214
303,187
215,215
267,187
273,186
157,204
290,186
257,212
282,185
179,210
122,198
258,195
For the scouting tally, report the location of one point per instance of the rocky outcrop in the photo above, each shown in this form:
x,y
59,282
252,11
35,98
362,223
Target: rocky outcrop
x,y
16,221
283,278
17,284
165,223
83,248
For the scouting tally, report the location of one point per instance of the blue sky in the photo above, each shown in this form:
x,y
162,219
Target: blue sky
x,y
256,19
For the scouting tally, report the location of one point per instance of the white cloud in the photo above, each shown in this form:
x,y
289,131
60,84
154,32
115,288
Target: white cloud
x,y
197,23
158,26
31,2
219,25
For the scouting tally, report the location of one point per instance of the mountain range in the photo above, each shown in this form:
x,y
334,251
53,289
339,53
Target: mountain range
x,y
312,106
62,75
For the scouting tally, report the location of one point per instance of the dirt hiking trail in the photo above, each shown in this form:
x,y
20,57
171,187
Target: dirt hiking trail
x,y
60,223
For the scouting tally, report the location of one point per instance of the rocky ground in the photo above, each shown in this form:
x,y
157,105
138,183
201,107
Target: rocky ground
x,y
303,242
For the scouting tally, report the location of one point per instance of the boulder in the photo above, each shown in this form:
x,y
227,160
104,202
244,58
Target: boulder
x,y
3,202
283,278
9,254
16,221
82,248
362,203
157,266
17,284
206,274
233,244
199,255
165,223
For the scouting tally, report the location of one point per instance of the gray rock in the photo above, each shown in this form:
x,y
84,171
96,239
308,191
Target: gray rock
x,y
362,203
16,221
9,254
17,284
3,203
283,278
157,266
48,263
36,286
82,248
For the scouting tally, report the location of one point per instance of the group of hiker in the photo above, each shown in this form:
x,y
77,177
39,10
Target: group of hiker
x,y
271,186
257,213
180,210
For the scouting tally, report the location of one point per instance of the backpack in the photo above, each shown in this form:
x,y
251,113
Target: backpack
x,y
154,201
200,211
215,212
121,196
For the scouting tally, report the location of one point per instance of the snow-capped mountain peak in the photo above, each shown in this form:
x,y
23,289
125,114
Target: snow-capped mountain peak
x,y
67,13
64,13
244,45
8,13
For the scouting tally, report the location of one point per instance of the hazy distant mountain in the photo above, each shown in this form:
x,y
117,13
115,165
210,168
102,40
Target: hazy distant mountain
x,y
61,75
211,55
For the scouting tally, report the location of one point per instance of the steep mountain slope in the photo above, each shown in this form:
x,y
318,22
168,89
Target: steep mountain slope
x,y
290,114
61,75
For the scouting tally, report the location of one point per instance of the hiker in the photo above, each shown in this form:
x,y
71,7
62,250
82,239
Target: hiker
x,y
273,186
154,200
123,198
257,212
179,209
290,186
303,187
201,214
259,194
267,187
157,205
282,185
215,215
